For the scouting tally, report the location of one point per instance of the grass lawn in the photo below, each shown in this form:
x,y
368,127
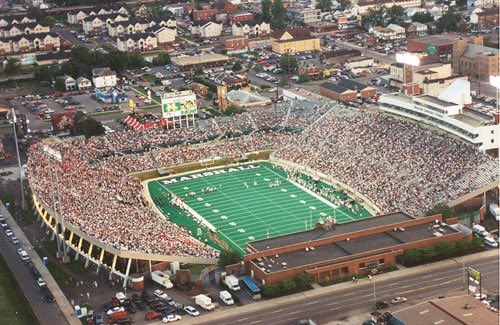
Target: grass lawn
x,y
14,309
249,202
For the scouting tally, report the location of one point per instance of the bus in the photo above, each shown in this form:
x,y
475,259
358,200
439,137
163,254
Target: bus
x,y
252,287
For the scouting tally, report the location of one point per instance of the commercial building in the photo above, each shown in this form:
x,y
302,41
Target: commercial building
x,y
236,43
198,60
472,58
330,252
439,48
389,33
448,112
303,15
415,29
448,310
336,92
103,78
295,40
342,55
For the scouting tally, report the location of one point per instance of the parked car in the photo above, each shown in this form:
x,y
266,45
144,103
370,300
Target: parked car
x,y
99,319
152,315
191,310
14,240
47,295
40,282
22,253
115,310
171,318
8,232
160,294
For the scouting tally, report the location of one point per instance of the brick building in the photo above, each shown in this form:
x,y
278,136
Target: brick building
x,y
339,56
439,48
310,69
339,251
485,19
240,16
337,92
363,90
204,15
236,43
472,58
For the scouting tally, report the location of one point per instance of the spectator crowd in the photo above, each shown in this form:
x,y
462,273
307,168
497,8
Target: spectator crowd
x,y
395,164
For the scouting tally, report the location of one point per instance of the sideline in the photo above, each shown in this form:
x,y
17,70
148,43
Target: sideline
x,y
282,301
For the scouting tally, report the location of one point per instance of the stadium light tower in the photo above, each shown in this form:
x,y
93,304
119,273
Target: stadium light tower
x,y
56,155
407,58
495,82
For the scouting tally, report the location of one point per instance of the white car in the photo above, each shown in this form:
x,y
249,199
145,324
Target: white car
x,y
40,282
490,241
191,311
14,240
160,294
398,300
115,310
171,318
9,232
22,253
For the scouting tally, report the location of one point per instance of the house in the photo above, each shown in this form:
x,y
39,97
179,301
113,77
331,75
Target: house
x,y
16,19
23,28
76,17
98,25
137,42
336,92
294,40
206,29
363,91
142,12
69,83
253,28
83,83
485,19
415,29
236,43
391,32
103,78
163,34
44,42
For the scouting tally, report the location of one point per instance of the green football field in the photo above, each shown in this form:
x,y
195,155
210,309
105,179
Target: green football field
x,y
249,202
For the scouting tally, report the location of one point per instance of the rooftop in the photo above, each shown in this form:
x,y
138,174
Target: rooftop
x,y
436,101
448,311
327,254
334,87
444,39
199,59
340,229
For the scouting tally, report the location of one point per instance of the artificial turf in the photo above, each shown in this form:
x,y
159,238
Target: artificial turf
x,y
268,205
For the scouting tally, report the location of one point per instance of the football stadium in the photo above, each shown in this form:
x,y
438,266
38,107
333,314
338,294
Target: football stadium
x,y
126,202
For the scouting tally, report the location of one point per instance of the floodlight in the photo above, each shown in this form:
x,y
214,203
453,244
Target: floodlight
x,y
495,81
408,58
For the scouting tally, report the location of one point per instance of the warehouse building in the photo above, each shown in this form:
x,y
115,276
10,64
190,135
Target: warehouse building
x,y
336,92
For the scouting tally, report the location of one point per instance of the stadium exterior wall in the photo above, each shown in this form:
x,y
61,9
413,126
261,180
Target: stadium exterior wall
x,y
363,200
47,216
469,196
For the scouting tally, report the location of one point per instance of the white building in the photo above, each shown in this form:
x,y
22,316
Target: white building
x,y
207,29
103,78
449,113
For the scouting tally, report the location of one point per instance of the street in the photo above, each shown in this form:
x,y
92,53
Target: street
x,y
360,298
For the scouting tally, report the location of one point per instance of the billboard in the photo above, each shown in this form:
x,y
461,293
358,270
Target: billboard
x,y
178,104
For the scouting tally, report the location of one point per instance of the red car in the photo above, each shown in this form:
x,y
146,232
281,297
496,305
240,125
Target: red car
x,y
153,315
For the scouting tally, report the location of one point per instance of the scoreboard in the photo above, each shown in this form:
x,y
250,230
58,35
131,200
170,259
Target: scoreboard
x,y
177,104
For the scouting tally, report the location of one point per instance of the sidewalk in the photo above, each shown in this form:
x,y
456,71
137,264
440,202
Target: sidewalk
x,y
63,303
333,288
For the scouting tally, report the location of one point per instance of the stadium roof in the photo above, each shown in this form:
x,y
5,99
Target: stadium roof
x,y
245,98
340,229
458,92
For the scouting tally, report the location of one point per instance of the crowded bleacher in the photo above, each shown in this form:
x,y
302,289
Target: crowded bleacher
x,y
395,164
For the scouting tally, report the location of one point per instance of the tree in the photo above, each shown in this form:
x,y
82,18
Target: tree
x,y
443,210
304,78
324,5
60,85
237,66
87,126
449,21
344,4
422,17
279,15
395,14
50,21
228,257
288,63
266,10
376,16
304,280
12,67
162,59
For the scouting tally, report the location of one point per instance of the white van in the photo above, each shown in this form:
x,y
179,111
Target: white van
x,y
480,230
226,297
490,241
